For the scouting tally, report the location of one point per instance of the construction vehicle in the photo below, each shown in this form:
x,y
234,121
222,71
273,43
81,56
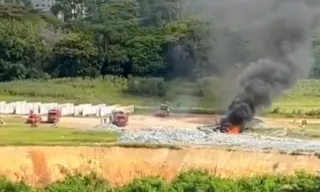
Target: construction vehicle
x,y
119,118
223,126
54,116
33,119
163,111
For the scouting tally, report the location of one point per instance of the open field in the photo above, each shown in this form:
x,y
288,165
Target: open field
x,y
80,129
16,132
300,100
75,90
119,164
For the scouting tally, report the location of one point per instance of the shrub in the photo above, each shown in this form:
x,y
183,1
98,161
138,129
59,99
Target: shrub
x,y
148,184
7,186
146,86
200,180
189,181
79,183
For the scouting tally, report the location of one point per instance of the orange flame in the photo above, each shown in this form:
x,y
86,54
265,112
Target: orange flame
x,y
234,130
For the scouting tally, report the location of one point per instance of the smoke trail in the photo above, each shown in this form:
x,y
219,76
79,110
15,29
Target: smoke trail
x,y
285,39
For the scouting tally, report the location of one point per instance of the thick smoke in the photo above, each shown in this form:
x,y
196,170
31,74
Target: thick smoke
x,y
285,37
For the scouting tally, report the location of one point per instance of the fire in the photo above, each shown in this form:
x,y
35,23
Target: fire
x,y
235,129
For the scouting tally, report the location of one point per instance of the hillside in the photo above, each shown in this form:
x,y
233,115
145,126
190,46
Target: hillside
x,y
112,90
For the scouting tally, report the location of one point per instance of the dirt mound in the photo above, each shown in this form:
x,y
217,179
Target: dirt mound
x,y
41,165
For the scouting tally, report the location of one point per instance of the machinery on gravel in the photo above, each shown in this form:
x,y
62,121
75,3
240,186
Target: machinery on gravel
x,y
223,126
240,112
164,111
119,118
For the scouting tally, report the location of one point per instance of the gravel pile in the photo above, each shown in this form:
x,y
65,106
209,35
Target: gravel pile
x,y
107,127
155,135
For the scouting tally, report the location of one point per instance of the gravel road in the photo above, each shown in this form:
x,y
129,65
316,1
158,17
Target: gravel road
x,y
157,135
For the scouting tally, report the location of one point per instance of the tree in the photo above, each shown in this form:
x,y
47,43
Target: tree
x,y
75,55
146,58
161,12
21,48
145,38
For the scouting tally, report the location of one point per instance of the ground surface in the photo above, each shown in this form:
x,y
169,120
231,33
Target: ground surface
x,y
41,165
181,120
276,126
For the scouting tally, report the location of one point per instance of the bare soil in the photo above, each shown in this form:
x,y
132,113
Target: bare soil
x,y
141,121
179,121
43,165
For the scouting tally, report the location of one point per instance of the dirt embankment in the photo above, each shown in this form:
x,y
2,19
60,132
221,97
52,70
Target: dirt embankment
x,y
42,165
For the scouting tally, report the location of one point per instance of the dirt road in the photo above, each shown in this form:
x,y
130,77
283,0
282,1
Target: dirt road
x,y
140,121
178,121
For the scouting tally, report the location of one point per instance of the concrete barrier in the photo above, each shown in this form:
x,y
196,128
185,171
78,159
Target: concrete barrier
x,y
67,109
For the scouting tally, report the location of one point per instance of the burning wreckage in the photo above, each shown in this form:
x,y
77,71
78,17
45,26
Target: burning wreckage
x,y
240,112
285,38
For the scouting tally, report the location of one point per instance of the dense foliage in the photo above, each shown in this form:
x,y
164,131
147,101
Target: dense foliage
x,y
145,38
193,181
126,51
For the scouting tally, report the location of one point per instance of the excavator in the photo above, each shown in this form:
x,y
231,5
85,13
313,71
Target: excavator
x,y
163,111
233,122
240,112
224,126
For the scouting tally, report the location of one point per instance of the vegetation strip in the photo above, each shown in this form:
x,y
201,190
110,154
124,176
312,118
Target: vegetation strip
x,y
301,101
17,134
193,180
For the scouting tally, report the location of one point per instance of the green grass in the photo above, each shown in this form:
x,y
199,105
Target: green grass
x,y
15,135
16,132
75,90
304,97
309,131
108,90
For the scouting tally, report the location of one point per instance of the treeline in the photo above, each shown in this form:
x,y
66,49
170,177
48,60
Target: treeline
x,y
191,181
144,38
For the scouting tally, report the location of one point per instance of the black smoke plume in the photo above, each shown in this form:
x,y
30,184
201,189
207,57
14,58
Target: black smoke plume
x,y
285,38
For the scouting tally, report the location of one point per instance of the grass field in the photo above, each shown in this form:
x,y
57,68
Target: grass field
x,y
303,98
309,131
16,132
70,90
